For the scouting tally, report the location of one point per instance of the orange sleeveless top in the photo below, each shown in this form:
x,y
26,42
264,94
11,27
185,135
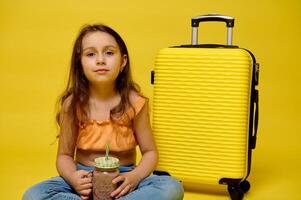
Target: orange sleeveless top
x,y
119,134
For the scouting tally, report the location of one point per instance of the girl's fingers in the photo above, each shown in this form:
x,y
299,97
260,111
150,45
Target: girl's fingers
x,y
123,192
84,197
118,190
86,186
118,179
86,192
83,173
123,189
132,189
86,180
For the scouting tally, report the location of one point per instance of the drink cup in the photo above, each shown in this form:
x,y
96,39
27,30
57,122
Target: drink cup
x,y
106,169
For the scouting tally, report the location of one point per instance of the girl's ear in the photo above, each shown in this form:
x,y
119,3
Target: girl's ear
x,y
124,62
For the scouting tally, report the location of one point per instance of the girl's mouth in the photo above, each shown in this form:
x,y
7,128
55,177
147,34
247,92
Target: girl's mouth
x,y
101,71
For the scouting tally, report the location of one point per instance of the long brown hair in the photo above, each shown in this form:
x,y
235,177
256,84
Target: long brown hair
x,y
78,86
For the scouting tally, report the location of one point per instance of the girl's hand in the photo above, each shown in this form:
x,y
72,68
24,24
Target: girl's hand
x,y
129,180
82,183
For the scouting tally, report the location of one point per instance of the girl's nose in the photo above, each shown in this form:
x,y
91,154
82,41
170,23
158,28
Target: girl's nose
x,y
100,60
100,63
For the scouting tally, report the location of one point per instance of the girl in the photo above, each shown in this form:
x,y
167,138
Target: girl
x,y
103,105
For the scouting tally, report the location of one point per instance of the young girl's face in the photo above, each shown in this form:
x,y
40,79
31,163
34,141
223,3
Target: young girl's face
x,y
101,58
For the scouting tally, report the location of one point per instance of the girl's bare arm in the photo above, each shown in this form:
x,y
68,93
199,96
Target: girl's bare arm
x,y
149,158
146,143
65,156
80,180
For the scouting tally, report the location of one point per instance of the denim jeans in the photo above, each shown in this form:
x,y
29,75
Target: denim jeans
x,y
152,187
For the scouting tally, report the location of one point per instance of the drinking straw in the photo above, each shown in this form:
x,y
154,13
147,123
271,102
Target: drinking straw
x,y
107,151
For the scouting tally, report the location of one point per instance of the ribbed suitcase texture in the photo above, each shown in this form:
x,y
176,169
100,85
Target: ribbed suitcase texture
x,y
201,111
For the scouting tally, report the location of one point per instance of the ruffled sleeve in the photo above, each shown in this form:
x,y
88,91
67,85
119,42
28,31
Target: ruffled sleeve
x,y
138,104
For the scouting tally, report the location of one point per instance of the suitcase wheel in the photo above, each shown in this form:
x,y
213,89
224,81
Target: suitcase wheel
x,y
245,186
237,191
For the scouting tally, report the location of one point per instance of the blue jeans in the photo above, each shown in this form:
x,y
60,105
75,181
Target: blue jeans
x,y
152,187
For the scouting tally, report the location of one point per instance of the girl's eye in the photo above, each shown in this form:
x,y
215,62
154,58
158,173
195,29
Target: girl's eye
x,y
90,54
109,53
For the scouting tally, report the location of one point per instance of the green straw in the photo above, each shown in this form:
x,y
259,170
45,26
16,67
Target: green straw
x,y
107,151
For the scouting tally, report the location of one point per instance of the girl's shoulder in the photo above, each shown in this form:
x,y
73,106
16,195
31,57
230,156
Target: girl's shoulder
x,y
137,100
134,96
64,110
66,103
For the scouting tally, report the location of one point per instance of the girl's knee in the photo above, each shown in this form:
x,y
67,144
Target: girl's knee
x,y
29,195
34,192
176,189
40,190
173,189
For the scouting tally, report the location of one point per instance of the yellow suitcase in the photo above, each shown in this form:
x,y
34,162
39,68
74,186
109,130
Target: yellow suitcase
x,y
205,112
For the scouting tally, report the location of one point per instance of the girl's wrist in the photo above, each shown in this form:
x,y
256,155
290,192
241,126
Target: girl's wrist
x,y
139,175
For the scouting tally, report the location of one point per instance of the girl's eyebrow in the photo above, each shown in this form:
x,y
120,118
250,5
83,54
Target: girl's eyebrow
x,y
105,47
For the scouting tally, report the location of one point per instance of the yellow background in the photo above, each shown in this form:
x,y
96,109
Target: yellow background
x,y
36,38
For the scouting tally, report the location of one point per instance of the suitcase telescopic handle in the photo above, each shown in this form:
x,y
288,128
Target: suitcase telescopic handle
x,y
215,18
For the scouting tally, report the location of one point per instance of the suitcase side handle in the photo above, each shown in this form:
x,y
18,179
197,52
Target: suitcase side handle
x,y
195,21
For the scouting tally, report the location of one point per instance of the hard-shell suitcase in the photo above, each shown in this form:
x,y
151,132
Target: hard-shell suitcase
x,y
205,111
